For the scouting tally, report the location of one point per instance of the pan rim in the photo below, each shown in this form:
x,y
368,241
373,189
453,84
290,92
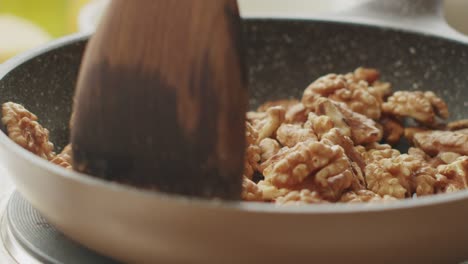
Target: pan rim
x,y
247,207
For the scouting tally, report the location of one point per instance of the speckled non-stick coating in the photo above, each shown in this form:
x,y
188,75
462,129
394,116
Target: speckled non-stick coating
x,y
283,56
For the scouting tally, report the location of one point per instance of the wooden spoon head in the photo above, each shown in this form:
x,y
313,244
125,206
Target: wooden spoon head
x,y
161,98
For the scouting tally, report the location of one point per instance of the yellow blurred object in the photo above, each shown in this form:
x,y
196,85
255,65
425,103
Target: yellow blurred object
x,y
58,17
25,24
17,35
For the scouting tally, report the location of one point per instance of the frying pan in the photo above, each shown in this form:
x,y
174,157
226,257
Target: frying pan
x,y
284,55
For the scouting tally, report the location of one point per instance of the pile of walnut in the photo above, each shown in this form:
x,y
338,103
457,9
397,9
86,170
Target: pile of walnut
x,y
335,145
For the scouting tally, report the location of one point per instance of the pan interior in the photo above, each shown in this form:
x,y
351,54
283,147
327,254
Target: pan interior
x,y
283,57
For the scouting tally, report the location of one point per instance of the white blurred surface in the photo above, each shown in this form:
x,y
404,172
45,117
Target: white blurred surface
x,y
90,14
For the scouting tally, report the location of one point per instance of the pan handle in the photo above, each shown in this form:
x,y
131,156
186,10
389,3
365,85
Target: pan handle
x,y
426,16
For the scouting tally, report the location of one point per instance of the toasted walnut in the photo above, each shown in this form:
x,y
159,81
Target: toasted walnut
x,y
285,103
359,99
352,89
328,168
292,165
270,192
456,174
325,86
380,90
364,196
458,125
252,151
409,132
389,177
424,180
322,124
422,106
335,137
300,198
250,190
379,152
337,177
23,128
401,176
392,129
331,110
434,142
268,122
291,134
367,74
439,105
361,129
297,114
463,131
64,159
418,153
442,158
268,147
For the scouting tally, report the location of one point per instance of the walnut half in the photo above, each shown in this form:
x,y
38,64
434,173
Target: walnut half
x,y
23,128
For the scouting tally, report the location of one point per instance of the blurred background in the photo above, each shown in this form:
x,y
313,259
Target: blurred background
x,y
25,24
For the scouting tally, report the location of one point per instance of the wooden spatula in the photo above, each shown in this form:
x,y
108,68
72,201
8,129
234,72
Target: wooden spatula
x,y
161,98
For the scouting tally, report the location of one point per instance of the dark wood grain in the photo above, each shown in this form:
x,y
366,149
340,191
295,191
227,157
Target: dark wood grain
x,y
161,98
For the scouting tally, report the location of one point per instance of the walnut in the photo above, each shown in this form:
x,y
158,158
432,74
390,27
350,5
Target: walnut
x,y
422,106
23,128
322,124
285,103
291,166
401,176
463,131
442,158
359,99
367,74
270,192
361,129
409,132
352,89
268,147
419,154
362,196
291,134
424,180
266,123
387,177
458,125
252,152
297,113
325,167
439,105
379,152
64,159
380,90
300,198
325,86
456,174
331,110
392,129
335,137
250,190
434,142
